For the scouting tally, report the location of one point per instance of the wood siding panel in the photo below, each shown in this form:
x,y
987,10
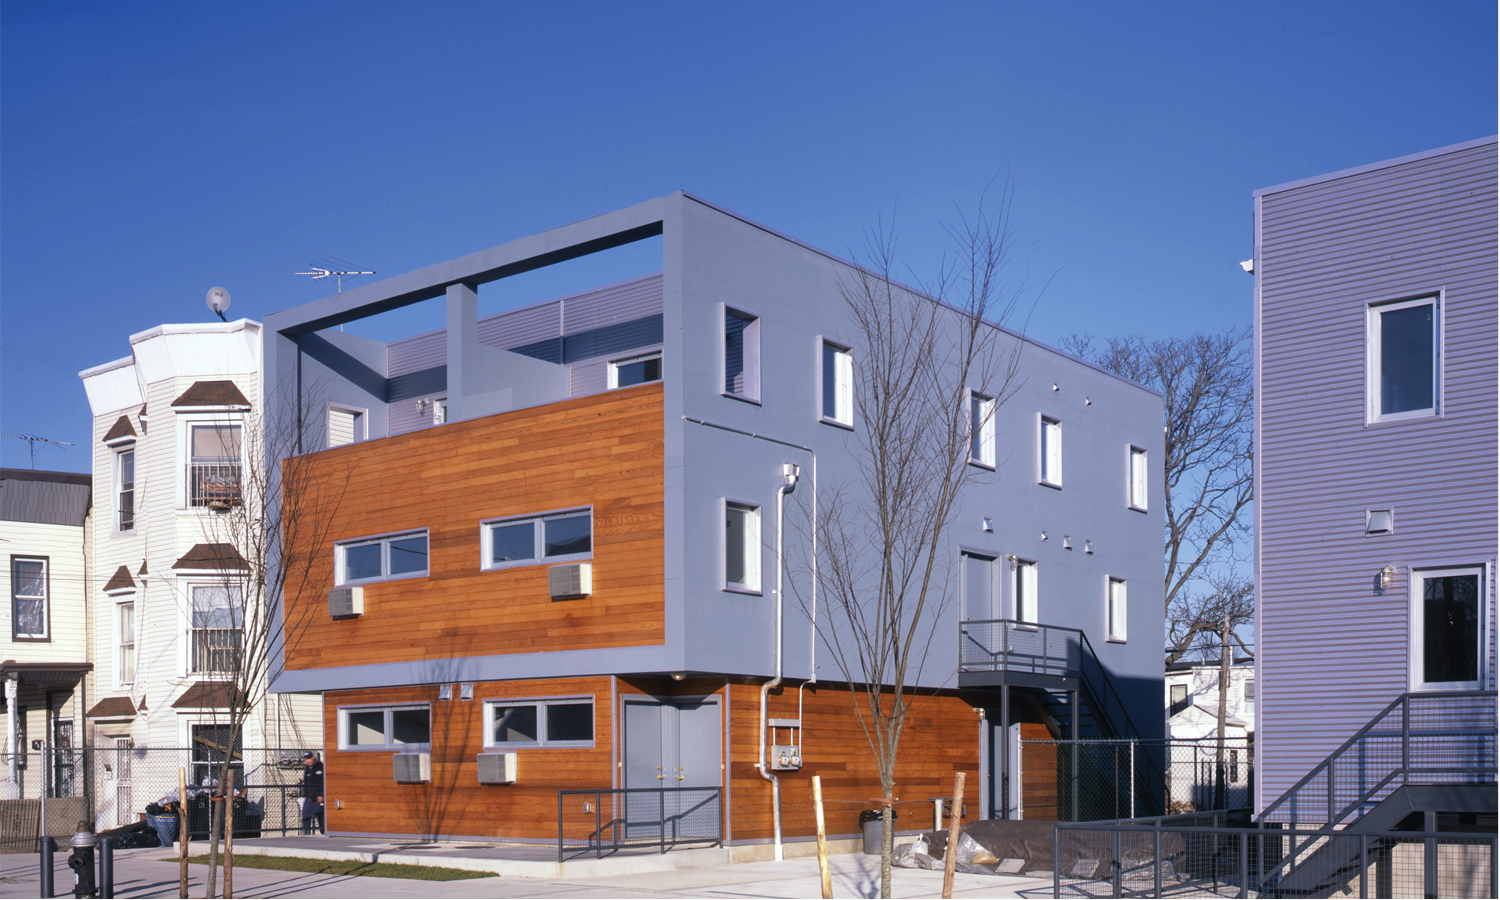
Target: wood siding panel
x,y
603,450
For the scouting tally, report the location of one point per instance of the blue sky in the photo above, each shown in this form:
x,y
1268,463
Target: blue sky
x,y
149,151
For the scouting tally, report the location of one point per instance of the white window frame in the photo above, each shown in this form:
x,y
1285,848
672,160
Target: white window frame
x,y
123,598
614,368
186,421
982,408
388,728
340,548
539,539
46,633
1023,587
186,584
1049,452
117,488
1116,610
440,411
752,550
843,384
749,354
1373,327
1137,478
541,704
361,423
1250,689
1416,653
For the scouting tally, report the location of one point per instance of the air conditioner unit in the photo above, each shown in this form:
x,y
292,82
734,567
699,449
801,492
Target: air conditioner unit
x,y
346,602
497,768
571,581
412,768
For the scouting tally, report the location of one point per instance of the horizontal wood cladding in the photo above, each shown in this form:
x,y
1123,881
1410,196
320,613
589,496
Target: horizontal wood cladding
x,y
603,451
454,802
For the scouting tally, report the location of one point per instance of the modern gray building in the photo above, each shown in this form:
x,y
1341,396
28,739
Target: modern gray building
x,y
1376,461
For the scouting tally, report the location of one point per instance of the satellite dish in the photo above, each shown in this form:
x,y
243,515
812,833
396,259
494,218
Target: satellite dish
x,y
218,301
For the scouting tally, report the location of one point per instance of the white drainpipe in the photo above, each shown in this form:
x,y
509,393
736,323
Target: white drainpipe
x,y
789,476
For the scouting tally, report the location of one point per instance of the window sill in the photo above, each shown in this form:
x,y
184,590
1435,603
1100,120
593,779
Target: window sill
x,y
32,640
988,467
737,589
389,748
1050,484
753,401
553,745
1115,640
530,563
115,534
367,581
1134,508
1397,418
836,423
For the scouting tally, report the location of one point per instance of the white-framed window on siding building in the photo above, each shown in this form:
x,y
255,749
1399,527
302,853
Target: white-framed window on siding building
x,y
404,727
741,547
1024,590
1116,609
741,355
1403,359
1139,479
836,405
1446,634
1050,452
124,489
632,370
216,626
381,558
981,430
214,463
29,614
125,639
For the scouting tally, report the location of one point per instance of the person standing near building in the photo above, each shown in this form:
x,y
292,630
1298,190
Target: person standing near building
x,y
312,793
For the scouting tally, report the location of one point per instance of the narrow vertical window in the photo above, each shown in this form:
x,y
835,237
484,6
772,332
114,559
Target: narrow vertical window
x,y
1051,452
978,586
125,490
1179,698
982,430
125,612
28,598
741,355
741,547
838,385
1250,690
1403,359
1025,591
1117,609
1446,633
1138,482
345,426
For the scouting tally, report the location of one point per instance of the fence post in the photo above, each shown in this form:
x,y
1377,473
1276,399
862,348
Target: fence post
x,y
1405,736
1056,862
598,827
1132,778
1116,867
1244,864
1364,868
1156,856
46,846
1429,855
661,823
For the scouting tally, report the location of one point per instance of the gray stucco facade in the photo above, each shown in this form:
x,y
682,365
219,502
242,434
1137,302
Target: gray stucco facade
x,y
1363,497
1080,535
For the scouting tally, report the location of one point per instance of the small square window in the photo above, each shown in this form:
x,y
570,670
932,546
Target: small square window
x,y
741,547
741,355
838,385
1403,359
1138,479
1051,452
375,559
982,430
550,538
1117,609
635,370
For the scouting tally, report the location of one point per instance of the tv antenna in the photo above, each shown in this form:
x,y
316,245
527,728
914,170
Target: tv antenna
x,y
33,439
320,272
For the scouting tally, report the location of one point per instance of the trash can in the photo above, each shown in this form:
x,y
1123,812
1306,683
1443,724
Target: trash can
x,y
869,823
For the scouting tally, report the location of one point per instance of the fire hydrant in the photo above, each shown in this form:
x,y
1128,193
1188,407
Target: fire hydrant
x,y
81,861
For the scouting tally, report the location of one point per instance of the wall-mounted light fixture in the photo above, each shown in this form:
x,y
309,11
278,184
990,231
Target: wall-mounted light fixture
x,y
422,406
678,676
1384,579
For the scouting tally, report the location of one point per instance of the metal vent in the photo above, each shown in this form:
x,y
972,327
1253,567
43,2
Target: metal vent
x,y
571,581
497,768
346,602
412,768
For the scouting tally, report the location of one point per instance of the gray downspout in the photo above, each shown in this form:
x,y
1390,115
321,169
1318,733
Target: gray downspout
x,y
789,477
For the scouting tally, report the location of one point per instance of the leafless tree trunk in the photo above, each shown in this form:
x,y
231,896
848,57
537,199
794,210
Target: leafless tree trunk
x,y
273,505
883,530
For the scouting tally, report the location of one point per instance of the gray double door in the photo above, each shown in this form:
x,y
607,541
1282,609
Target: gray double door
x,y
672,743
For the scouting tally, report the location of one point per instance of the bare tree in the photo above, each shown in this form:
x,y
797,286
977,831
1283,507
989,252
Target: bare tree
x,y
918,360
271,502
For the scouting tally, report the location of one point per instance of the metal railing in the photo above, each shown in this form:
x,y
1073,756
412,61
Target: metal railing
x,y
609,820
1175,856
1106,778
215,650
213,485
1425,738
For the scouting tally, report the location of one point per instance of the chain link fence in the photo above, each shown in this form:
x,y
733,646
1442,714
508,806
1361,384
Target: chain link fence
x,y
112,786
1096,778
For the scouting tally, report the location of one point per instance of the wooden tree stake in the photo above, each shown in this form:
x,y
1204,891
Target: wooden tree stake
x,y
955,820
827,877
182,833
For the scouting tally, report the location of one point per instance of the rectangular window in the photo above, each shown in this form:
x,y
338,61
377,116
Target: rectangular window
x,y
213,472
838,385
216,629
1179,698
1445,633
125,490
1403,359
28,598
345,426
552,538
211,747
982,430
741,547
1249,690
377,559
1051,452
440,411
741,355
635,370
385,728
1138,481
125,629
1117,609
539,723
978,586
1025,591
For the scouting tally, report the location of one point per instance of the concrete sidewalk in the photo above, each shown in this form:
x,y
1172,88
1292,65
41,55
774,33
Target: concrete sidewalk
x,y
152,872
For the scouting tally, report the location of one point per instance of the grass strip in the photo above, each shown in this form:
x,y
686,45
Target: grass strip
x,y
345,867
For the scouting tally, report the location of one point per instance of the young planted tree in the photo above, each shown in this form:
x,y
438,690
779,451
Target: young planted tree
x,y
239,631
929,371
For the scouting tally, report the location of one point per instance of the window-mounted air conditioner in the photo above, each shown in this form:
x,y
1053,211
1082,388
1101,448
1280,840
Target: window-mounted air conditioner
x,y
571,581
346,602
412,768
497,768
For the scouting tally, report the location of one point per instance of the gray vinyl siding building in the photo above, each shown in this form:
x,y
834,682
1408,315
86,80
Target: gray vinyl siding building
x,y
1338,621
